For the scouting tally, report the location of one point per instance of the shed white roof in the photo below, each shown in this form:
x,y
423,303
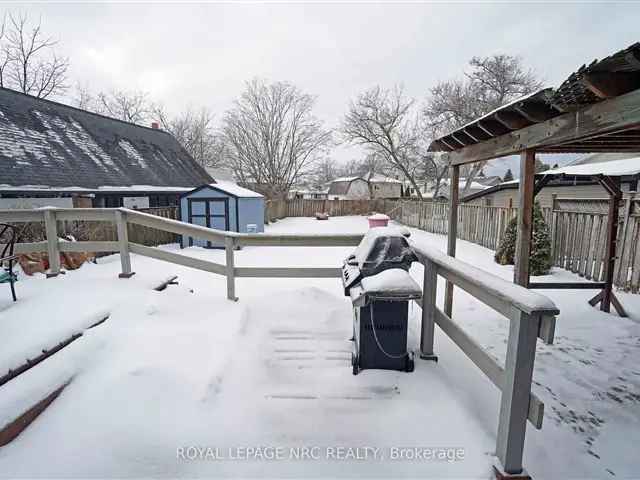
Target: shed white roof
x,y
235,189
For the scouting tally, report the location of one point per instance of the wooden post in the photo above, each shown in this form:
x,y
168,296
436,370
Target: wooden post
x,y
123,244
454,188
612,234
429,290
525,217
516,388
53,248
230,268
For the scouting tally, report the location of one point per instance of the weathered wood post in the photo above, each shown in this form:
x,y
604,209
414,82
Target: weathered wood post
x,y
454,189
429,290
612,234
123,244
229,245
554,224
525,217
53,247
516,388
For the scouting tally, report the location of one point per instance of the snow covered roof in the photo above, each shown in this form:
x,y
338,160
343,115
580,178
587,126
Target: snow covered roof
x,y
383,179
624,167
231,188
57,146
340,186
235,189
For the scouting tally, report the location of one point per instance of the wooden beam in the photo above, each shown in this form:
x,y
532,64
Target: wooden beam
x,y
454,192
477,133
566,285
177,258
525,217
536,112
492,127
607,116
511,120
611,84
288,272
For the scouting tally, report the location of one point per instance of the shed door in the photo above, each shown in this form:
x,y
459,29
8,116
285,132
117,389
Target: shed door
x,y
211,213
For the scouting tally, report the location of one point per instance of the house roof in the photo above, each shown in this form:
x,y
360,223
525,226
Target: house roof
x,y
49,145
614,168
628,167
383,179
340,186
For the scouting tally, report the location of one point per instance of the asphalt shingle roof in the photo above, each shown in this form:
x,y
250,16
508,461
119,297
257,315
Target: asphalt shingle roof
x,y
48,144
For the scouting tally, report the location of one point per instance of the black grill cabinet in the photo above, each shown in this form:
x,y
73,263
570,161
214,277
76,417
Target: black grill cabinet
x,y
376,279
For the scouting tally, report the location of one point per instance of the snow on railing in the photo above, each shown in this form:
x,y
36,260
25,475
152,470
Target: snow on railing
x,y
531,316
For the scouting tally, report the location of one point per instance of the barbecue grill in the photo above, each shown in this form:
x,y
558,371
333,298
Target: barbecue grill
x,y
376,278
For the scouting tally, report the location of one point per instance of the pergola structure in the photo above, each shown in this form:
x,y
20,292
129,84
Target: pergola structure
x,y
596,109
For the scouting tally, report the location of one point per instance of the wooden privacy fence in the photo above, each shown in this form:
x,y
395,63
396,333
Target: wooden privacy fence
x,y
579,240
531,315
577,228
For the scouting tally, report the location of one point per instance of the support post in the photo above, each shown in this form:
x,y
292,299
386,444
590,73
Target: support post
x,y
229,245
612,233
525,217
123,244
514,402
429,290
53,248
454,189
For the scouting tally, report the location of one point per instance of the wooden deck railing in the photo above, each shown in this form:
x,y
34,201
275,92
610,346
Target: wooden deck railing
x,y
531,315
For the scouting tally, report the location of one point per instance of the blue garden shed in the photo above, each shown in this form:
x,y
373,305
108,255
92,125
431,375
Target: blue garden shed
x,y
223,206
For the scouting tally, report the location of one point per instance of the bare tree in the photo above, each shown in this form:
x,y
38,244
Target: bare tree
x,y
83,97
271,136
324,172
28,61
384,123
195,130
490,83
131,106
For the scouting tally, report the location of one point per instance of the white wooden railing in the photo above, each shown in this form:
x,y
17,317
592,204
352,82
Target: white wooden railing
x,y
531,315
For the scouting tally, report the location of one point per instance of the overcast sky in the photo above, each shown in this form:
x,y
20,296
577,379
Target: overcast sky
x,y
188,54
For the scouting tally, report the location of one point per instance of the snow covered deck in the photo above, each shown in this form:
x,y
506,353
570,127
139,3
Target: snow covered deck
x,y
186,367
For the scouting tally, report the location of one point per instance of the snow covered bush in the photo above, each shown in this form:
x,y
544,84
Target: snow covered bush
x,y
540,258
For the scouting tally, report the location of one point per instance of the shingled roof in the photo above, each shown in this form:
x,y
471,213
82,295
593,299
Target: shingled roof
x,y
46,144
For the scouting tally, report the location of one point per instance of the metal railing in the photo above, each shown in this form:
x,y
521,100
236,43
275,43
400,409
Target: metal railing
x,y
531,315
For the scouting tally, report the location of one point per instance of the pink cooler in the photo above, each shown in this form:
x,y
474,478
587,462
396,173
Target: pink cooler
x,y
378,220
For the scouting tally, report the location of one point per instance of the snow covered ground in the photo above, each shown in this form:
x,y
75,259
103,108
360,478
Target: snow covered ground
x,y
187,368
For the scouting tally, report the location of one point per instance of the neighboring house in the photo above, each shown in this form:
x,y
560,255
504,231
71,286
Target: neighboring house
x,y
506,194
54,154
349,188
385,187
487,181
308,194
